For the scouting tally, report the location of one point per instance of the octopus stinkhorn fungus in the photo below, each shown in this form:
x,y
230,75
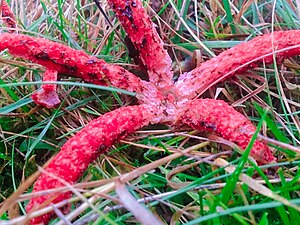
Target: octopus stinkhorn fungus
x,y
161,100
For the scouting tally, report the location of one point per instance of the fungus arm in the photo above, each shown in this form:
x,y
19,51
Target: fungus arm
x,y
47,95
145,39
67,61
7,16
78,152
238,59
217,116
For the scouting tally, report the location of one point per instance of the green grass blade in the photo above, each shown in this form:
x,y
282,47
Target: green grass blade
x,y
229,17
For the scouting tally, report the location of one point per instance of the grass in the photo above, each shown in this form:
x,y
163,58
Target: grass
x,y
177,175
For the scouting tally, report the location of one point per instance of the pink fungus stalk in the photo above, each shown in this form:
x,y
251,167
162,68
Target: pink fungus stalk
x,y
145,39
218,117
47,95
75,156
8,17
65,60
237,59
161,100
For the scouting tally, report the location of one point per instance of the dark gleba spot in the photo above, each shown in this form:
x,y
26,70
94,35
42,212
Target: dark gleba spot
x,y
43,55
134,26
72,69
133,4
90,61
211,127
10,23
144,42
23,42
62,55
102,148
165,113
127,11
92,76
208,126
121,135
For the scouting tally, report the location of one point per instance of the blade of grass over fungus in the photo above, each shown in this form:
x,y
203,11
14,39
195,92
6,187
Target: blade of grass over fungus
x,y
105,88
210,44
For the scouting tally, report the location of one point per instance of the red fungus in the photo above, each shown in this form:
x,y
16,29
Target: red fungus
x,y
47,96
237,59
217,116
75,156
162,101
65,60
145,39
8,16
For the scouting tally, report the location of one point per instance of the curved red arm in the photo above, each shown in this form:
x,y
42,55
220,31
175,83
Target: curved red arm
x,y
238,58
8,16
224,120
143,35
76,154
65,60
47,95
